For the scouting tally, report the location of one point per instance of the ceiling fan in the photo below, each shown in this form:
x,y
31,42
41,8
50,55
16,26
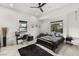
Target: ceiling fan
x,y
40,5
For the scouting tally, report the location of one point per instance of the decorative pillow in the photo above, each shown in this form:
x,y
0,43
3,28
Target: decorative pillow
x,y
57,34
53,34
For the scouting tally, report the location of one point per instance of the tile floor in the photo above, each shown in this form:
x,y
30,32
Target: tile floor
x,y
69,50
64,50
13,49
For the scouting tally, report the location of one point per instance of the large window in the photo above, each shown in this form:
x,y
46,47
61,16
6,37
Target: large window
x,y
57,26
23,26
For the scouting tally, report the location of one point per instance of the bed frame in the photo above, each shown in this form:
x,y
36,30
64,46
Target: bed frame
x,y
50,44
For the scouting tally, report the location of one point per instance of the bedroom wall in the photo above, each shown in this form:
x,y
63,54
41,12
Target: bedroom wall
x,y
70,24
10,19
46,24
73,24
33,27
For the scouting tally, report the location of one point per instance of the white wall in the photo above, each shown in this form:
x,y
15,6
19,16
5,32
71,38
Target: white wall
x,y
10,19
70,24
46,24
73,20
33,28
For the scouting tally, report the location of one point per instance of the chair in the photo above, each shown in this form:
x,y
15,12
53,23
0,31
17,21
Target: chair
x,y
68,40
23,37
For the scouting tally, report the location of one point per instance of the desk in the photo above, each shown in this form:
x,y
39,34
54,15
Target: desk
x,y
24,37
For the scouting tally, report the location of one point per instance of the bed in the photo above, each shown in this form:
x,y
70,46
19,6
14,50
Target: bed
x,y
50,42
46,41
52,39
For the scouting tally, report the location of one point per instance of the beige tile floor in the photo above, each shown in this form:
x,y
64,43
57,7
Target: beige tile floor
x,y
69,50
13,49
65,50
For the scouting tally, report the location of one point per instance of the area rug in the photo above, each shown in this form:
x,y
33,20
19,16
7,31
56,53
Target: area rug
x,y
33,50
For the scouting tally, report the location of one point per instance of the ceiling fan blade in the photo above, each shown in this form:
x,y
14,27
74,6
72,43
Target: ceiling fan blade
x,y
41,9
39,4
42,4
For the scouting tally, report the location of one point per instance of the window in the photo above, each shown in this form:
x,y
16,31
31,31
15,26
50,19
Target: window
x,y
57,26
23,26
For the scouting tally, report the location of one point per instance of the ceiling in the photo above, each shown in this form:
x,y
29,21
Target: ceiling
x,y
25,7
